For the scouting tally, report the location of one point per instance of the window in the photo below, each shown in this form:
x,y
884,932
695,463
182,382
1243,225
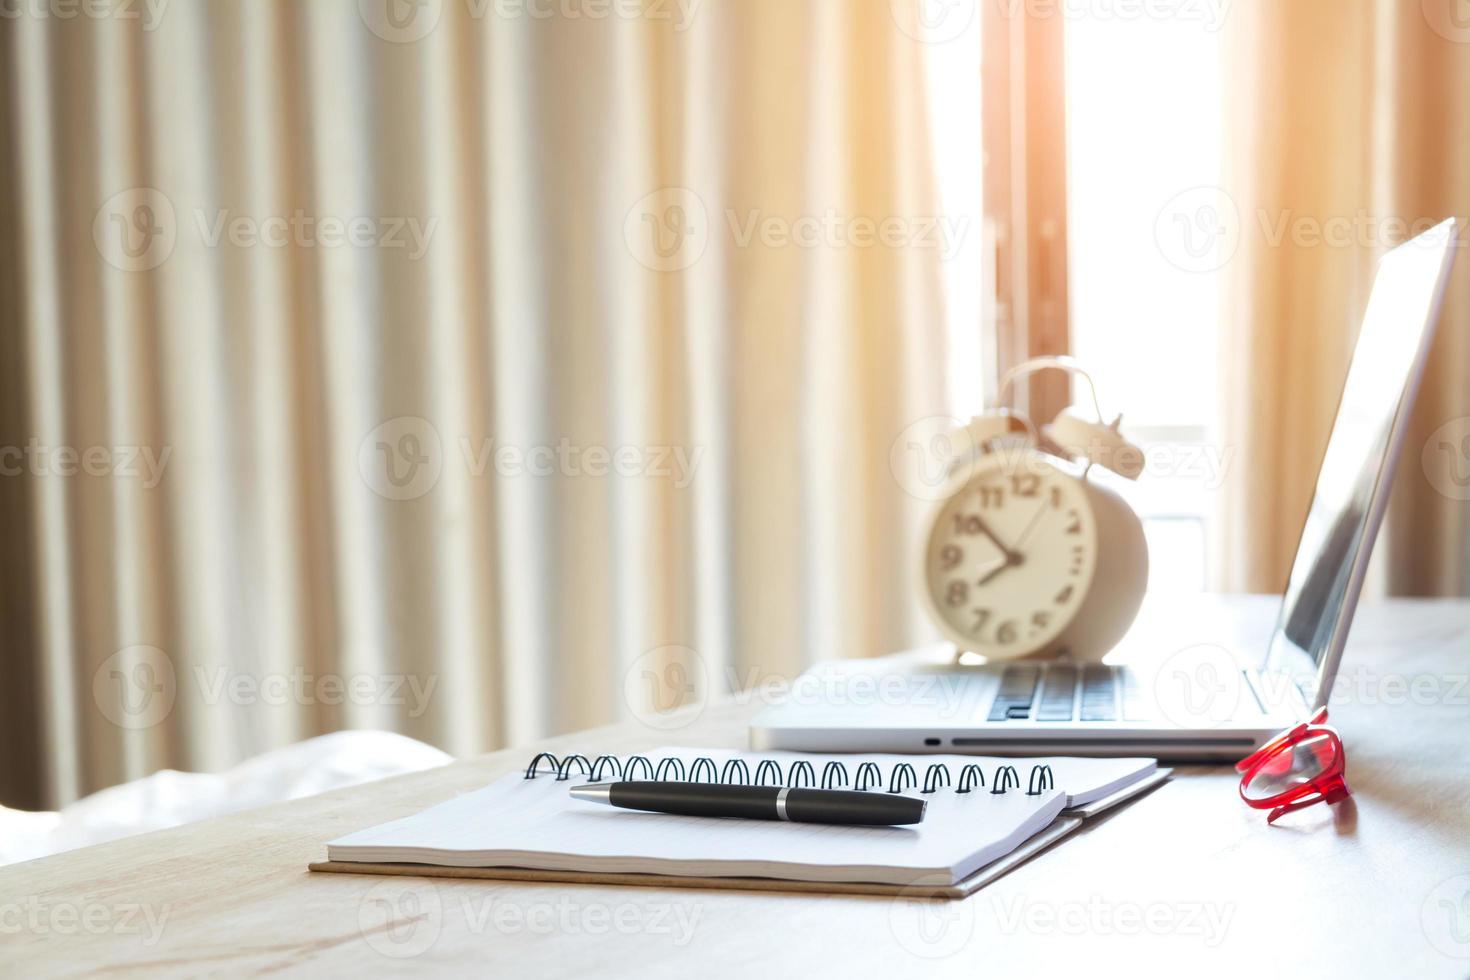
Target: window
x,y
1144,129
1087,124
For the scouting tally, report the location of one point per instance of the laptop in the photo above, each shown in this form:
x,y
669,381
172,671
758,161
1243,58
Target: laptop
x,y
1185,699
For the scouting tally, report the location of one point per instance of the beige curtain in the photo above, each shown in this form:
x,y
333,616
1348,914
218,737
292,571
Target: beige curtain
x,y
1348,126
414,366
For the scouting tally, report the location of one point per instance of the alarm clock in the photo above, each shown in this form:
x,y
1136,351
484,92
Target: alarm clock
x,y
1030,551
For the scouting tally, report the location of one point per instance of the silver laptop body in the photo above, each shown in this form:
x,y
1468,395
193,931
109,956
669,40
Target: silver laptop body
x,y
1188,698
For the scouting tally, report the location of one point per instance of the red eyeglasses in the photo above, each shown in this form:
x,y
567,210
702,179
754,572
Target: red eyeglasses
x,y
1296,769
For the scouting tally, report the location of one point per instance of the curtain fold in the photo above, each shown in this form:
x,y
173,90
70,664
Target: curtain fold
x,y
475,387
1347,134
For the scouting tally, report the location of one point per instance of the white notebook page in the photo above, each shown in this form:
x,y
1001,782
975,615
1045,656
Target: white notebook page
x,y
534,823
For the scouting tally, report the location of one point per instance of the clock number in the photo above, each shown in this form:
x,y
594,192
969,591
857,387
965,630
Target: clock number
x,y
1006,632
967,524
958,592
982,616
1064,595
1041,619
1056,498
992,498
1026,485
950,556
1076,526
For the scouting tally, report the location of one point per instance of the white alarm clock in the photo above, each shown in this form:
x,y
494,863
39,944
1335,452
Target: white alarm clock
x,y
1029,552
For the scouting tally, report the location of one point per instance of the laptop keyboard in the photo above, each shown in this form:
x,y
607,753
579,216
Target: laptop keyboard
x,y
1057,694
1017,692
1099,694
1069,692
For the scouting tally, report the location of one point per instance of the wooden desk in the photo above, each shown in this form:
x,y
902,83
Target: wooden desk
x,y
1185,881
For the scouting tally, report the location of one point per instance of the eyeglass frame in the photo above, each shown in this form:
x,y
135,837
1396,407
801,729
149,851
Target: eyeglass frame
x,y
1329,786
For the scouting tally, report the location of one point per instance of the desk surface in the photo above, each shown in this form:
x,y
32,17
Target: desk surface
x,y
1186,875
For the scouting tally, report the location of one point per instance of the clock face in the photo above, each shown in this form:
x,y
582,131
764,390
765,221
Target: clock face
x,y
1011,556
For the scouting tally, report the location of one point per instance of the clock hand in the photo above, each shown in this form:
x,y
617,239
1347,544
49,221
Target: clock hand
x,y
985,579
1012,558
1035,519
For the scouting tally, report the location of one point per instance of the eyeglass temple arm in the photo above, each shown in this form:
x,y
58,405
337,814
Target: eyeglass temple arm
x,y
1334,792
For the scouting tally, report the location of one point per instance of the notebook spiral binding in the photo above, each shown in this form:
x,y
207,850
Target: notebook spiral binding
x,y
868,776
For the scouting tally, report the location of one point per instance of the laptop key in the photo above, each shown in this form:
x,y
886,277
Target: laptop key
x,y
1098,700
1057,690
1137,705
1016,693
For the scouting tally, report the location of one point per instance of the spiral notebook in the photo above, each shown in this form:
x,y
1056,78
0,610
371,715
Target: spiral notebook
x,y
526,825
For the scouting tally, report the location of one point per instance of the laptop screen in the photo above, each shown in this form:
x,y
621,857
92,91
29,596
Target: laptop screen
x,y
1353,483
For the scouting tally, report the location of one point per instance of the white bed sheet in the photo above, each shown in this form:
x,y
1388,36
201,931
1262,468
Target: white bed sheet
x,y
169,798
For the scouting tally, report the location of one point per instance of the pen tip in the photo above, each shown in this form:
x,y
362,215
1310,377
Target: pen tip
x,y
594,792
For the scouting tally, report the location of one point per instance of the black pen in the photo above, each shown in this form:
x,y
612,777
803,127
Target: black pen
x,y
757,802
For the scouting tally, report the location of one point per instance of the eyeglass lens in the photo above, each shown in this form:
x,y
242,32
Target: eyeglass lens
x,y
1292,767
